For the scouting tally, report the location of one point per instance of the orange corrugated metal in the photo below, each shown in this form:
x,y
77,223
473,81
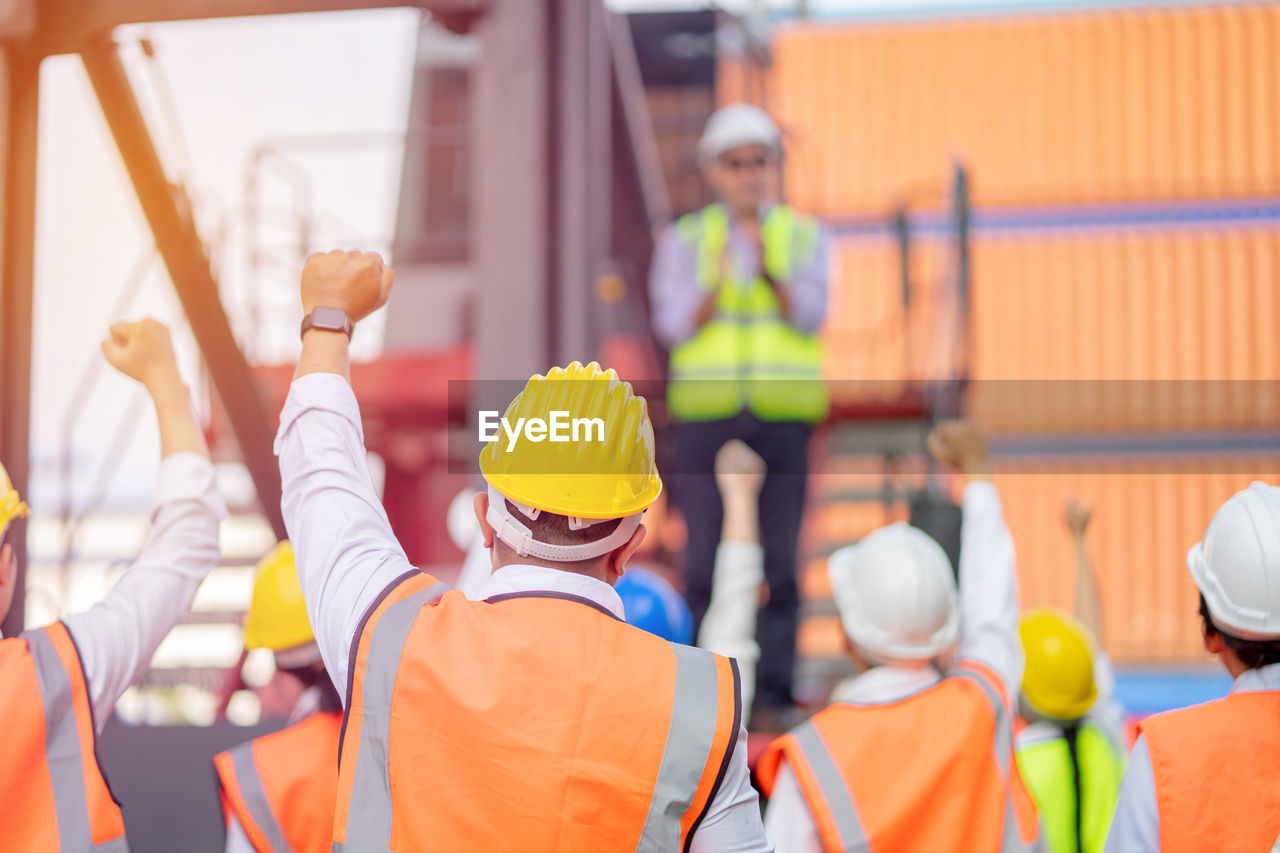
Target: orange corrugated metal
x,y
1146,515
1086,330
1126,330
875,343
1092,106
740,79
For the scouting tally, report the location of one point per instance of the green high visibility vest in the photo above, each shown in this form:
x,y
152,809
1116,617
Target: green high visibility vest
x,y
748,356
1046,767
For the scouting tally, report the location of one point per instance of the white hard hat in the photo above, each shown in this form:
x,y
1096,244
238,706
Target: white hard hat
x,y
1237,564
736,125
460,519
897,595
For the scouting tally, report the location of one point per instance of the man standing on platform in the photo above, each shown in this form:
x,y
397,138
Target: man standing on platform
x,y
739,290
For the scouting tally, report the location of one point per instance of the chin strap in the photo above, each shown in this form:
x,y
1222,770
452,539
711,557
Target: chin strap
x,y
520,538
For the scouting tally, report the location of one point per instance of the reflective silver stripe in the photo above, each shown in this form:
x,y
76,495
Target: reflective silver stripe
x,y
852,836
690,736
118,845
1004,732
61,744
369,811
254,796
1275,848
1011,841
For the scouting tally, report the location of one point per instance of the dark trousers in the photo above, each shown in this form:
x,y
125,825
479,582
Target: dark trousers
x,y
784,449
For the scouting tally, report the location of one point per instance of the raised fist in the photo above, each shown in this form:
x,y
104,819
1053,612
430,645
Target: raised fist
x,y
961,446
357,282
142,351
1076,515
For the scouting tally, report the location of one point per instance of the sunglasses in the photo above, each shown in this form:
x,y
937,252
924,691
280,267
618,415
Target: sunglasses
x,y
737,164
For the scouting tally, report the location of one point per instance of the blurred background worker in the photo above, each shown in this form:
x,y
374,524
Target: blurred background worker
x,y
62,681
278,790
739,290
1071,751
1205,777
916,753
652,604
541,714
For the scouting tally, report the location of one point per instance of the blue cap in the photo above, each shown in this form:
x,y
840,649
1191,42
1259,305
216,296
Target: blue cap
x,y
653,605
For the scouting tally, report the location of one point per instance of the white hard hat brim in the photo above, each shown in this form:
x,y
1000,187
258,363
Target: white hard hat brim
x,y
1237,620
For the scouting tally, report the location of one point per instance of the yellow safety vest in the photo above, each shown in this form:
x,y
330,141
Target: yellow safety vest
x,y
1046,767
748,356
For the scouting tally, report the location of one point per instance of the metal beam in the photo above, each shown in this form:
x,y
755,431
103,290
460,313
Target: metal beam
x,y
66,26
579,173
19,100
168,212
510,202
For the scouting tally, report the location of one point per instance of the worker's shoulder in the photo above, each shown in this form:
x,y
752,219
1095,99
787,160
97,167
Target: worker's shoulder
x,y
321,729
1208,715
727,667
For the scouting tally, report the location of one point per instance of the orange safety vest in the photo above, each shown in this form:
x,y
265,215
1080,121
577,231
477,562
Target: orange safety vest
x,y
54,794
281,787
933,771
534,721
1214,766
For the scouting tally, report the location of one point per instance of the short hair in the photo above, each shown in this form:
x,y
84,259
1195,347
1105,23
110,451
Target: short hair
x,y
1252,653
552,529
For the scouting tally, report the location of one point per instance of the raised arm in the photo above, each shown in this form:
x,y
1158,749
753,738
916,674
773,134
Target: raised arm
x,y
345,549
117,637
1088,602
1106,710
988,582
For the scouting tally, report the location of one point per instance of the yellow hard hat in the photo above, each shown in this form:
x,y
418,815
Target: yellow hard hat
x,y
605,469
277,617
1058,680
11,505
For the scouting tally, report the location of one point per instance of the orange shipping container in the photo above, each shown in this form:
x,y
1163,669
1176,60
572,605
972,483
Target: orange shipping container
x,y
1146,515
1098,106
1086,330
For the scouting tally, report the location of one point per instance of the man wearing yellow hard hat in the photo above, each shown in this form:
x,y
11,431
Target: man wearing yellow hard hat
x,y
62,681
1071,750
535,717
278,790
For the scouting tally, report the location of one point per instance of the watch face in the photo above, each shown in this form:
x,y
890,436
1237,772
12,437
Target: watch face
x,y
329,318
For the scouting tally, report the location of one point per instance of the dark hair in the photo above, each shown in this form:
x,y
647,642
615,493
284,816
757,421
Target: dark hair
x,y
554,529
1252,653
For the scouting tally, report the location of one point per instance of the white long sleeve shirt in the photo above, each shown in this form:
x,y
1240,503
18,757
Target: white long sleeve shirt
x,y
117,637
729,626
988,634
347,555
1135,828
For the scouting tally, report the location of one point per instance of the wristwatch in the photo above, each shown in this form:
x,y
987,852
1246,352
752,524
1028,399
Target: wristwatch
x,y
328,319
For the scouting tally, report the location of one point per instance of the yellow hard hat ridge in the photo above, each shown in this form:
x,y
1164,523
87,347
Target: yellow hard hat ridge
x,y
606,467
277,617
11,505
1058,680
